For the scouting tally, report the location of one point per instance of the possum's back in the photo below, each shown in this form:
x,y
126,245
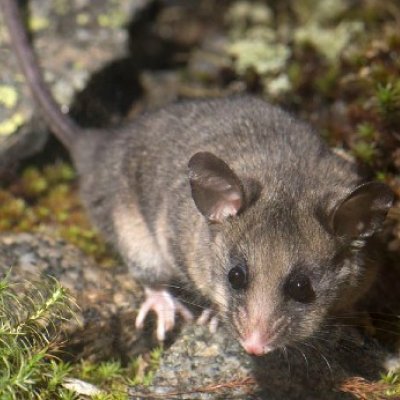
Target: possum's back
x,y
257,140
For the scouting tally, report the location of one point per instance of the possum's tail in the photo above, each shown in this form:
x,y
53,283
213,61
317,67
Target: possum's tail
x,y
61,125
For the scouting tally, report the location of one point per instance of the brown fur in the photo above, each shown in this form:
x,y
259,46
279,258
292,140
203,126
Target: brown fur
x,y
261,189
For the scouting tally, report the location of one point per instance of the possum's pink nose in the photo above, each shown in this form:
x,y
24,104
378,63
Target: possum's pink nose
x,y
255,343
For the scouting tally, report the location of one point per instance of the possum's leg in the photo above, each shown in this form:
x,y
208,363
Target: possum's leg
x,y
166,307
149,264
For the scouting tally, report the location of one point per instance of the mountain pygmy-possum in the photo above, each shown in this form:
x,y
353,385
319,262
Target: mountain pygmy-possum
x,y
231,197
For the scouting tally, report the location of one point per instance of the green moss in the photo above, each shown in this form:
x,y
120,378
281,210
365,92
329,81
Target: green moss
x,y
8,96
267,41
114,380
392,379
243,14
113,19
388,100
143,370
327,81
83,19
28,330
61,7
330,42
256,45
295,74
259,55
59,172
382,176
366,131
334,65
33,183
111,396
38,23
11,125
103,373
365,151
29,324
48,196
322,11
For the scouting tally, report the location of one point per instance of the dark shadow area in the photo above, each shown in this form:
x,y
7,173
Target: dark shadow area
x,y
317,369
108,96
113,90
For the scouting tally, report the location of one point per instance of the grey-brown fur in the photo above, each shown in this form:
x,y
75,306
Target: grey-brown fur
x,y
143,168
281,186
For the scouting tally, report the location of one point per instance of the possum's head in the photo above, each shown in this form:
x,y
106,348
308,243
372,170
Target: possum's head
x,y
282,264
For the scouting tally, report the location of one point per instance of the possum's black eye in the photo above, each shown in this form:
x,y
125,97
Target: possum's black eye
x,y
299,288
237,277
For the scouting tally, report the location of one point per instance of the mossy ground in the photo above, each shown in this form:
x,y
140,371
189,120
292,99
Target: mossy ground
x,y
47,196
347,82
31,317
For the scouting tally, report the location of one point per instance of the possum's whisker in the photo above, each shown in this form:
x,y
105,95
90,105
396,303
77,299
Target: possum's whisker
x,y
319,352
286,357
298,348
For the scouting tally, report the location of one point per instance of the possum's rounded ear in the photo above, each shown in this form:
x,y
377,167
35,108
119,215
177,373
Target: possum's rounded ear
x,y
363,211
216,189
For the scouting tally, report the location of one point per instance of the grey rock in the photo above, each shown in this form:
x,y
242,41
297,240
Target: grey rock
x,y
201,365
72,40
107,297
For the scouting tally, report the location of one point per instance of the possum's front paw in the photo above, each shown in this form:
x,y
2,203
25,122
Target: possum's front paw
x,y
166,307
